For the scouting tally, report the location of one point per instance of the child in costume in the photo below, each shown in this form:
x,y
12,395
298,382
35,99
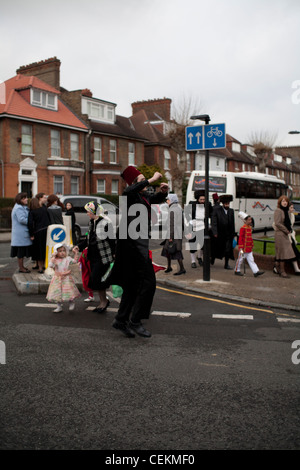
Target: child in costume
x,y
62,287
246,246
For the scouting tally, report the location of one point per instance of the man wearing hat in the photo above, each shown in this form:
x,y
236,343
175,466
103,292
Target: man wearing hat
x,y
223,231
133,269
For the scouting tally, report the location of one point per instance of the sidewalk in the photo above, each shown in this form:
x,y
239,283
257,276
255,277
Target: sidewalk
x,y
268,290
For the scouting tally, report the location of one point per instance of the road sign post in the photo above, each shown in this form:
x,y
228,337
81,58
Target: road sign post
x,y
206,137
55,234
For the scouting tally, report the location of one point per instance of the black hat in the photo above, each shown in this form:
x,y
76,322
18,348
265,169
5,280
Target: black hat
x,y
226,198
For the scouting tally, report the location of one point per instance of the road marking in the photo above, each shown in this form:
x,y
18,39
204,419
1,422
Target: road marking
x,y
294,320
172,314
215,300
41,305
3,265
236,317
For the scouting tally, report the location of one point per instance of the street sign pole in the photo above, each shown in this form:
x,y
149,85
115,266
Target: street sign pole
x,y
206,251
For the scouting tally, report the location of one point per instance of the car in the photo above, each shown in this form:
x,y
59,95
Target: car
x,y
296,205
82,220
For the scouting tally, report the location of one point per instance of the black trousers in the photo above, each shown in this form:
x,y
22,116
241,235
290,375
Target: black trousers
x,y
138,295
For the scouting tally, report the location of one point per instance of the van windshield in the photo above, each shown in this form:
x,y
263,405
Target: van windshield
x,y
216,184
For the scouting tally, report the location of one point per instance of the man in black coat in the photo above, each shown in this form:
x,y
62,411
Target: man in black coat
x,y
223,231
133,269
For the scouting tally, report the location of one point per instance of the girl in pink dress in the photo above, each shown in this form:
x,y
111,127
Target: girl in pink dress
x,y
62,287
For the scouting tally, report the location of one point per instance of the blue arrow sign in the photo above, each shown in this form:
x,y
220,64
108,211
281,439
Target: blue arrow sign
x,y
206,137
58,235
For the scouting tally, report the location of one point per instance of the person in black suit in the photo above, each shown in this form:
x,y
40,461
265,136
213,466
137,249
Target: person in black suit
x,y
222,231
133,269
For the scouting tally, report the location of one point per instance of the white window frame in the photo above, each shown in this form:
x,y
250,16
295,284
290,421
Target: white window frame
x,y
115,187
55,143
112,151
42,99
167,158
74,146
58,180
27,140
97,150
75,181
99,189
131,153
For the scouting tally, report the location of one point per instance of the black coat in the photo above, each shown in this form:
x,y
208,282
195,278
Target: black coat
x,y
132,254
223,226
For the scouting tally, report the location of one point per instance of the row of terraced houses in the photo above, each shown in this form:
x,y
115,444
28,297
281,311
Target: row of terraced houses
x,y
69,142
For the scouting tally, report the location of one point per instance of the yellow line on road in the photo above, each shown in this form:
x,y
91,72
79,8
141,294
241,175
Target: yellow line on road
x,y
214,300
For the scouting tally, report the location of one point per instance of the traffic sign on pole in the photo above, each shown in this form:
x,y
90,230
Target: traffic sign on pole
x,y
206,137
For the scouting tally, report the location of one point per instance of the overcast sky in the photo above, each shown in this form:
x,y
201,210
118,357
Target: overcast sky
x,y
237,60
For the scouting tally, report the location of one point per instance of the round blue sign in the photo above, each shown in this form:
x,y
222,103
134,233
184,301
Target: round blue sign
x,y
58,235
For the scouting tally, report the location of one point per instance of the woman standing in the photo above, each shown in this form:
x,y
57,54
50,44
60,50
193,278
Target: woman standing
x,y
283,228
55,208
173,244
38,222
20,238
100,250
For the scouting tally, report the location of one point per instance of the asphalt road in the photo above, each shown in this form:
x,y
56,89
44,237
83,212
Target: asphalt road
x,y
70,381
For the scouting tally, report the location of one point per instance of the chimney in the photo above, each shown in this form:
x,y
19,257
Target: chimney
x,y
162,107
47,70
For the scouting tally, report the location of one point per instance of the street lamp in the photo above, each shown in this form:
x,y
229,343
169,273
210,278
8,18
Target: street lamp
x,y
206,250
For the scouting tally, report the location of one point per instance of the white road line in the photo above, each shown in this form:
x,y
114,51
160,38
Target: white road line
x,y
41,305
172,314
294,320
235,317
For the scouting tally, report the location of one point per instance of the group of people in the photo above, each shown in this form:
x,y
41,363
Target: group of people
x,y
30,224
126,261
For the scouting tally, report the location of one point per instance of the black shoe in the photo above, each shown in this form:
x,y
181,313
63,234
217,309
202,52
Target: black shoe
x,y
101,309
139,329
238,273
183,271
259,273
194,265
168,270
227,266
124,328
200,261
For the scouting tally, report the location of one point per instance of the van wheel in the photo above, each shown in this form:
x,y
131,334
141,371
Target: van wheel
x,y
77,235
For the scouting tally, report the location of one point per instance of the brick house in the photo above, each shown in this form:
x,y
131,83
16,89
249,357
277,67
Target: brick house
x,y
42,141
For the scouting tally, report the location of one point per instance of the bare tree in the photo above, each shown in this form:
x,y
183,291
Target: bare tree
x,y
176,133
263,144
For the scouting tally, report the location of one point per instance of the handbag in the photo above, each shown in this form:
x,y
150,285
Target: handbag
x,y
172,248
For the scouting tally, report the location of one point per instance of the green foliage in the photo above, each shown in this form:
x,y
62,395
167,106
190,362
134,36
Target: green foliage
x,y
148,172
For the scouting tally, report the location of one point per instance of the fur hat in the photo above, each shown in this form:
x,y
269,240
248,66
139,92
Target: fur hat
x,y
130,173
226,198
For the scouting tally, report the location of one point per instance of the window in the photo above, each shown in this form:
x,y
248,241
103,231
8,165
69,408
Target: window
x,y
113,151
97,149
27,139
55,143
58,185
236,147
115,187
74,184
43,99
101,186
110,113
74,147
131,153
166,159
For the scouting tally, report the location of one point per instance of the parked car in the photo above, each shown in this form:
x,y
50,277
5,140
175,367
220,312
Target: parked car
x,y
297,209
82,219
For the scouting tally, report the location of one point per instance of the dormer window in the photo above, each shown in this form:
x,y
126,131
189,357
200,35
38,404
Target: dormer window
x,y
236,147
97,110
43,99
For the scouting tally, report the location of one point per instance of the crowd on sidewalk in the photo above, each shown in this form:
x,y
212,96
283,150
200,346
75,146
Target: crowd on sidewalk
x,y
126,262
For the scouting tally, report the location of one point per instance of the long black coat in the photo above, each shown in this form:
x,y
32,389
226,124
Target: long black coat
x,y
132,254
223,226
